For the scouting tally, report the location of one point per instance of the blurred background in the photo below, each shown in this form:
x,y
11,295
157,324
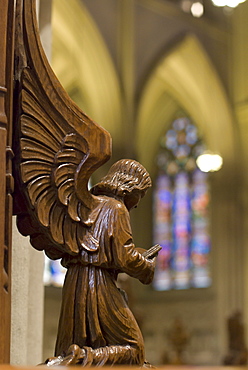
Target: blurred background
x,y
169,80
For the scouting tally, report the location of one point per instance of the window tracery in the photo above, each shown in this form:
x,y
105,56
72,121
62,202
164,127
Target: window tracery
x,y
181,210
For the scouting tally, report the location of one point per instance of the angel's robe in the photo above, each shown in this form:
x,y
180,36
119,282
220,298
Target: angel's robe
x,y
94,312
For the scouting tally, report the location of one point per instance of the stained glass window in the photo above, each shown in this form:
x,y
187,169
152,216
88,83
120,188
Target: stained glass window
x,y
181,211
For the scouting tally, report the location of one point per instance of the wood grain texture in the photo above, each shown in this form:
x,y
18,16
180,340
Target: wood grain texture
x,y
6,182
167,367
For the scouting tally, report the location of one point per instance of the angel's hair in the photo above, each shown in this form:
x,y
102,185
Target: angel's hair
x,y
124,177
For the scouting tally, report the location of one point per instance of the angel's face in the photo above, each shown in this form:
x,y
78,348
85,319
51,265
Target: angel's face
x,y
132,199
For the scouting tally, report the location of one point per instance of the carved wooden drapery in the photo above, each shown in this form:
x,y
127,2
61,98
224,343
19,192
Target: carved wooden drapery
x,y
6,180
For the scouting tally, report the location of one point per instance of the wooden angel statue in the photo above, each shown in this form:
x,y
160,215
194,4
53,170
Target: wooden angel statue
x,y
57,148
95,315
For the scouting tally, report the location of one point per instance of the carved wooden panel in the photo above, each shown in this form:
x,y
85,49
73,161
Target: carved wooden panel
x,y
6,180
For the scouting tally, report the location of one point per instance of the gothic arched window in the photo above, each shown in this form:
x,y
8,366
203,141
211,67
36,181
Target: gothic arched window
x,y
181,202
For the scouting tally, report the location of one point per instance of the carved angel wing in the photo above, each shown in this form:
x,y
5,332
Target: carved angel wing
x,y
59,149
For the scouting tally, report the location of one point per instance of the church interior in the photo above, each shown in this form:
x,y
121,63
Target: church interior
x,y
137,67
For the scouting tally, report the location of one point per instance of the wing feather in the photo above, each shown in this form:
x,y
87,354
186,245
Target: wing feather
x,y
73,206
32,108
44,204
57,223
37,186
64,172
33,169
65,190
36,131
31,149
34,100
70,155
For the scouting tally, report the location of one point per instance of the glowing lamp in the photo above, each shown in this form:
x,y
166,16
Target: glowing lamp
x,y
230,3
197,9
208,162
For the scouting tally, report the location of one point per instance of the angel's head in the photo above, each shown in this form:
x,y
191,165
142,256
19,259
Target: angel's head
x,y
126,179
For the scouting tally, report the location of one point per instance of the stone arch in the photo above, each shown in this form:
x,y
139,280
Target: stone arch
x,y
86,70
185,79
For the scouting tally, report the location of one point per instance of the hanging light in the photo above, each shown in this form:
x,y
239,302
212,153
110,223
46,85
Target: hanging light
x,y
229,3
197,9
209,162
